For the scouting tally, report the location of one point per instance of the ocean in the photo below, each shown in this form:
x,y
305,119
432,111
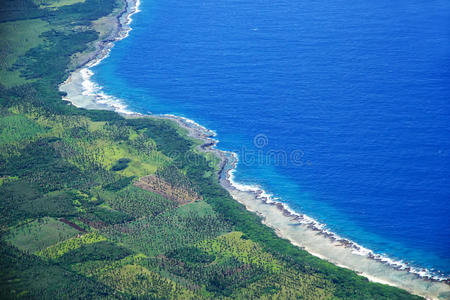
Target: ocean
x,y
339,109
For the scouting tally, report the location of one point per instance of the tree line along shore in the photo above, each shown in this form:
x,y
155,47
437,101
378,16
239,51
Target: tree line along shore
x,y
96,205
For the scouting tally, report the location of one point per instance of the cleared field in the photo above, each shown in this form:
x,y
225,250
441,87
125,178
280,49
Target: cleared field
x,y
40,234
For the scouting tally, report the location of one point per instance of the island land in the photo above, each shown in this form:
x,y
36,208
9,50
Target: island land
x,y
97,205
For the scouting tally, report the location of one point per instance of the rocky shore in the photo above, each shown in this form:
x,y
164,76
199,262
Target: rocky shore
x,y
338,250
111,29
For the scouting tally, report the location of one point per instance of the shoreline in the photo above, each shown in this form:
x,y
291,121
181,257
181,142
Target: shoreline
x,y
80,90
299,229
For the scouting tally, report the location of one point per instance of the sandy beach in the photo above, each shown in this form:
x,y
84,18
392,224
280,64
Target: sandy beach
x,y
80,90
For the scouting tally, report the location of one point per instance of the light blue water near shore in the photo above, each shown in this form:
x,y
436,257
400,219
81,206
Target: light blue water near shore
x,y
359,92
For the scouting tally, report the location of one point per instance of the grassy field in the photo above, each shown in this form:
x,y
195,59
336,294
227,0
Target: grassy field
x,y
39,234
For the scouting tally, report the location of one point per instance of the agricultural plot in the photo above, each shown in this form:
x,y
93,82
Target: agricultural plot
x,y
137,202
59,249
139,281
40,234
232,267
173,229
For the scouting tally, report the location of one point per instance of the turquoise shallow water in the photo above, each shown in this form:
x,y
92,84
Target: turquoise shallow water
x,y
341,110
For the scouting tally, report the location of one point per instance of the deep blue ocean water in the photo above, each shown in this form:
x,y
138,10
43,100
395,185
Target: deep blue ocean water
x,y
353,97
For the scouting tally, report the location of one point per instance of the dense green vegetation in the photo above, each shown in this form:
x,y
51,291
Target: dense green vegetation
x,y
74,222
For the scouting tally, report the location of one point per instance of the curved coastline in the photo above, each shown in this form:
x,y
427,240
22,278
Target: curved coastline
x,y
299,229
312,236
80,90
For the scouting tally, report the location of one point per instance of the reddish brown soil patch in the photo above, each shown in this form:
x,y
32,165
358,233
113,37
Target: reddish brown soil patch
x,y
180,195
73,225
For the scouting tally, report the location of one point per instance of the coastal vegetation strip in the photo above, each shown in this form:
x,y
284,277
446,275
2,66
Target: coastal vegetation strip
x,y
74,222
